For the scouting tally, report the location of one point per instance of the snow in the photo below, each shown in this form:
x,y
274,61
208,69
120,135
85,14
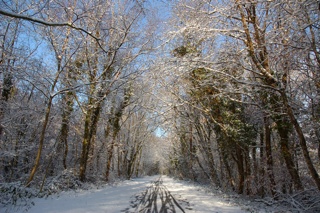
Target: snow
x,y
200,200
117,198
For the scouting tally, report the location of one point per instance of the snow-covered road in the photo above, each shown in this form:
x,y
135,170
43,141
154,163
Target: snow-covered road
x,y
124,198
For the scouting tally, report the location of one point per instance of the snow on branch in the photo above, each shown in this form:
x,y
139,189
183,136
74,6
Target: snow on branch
x,y
46,23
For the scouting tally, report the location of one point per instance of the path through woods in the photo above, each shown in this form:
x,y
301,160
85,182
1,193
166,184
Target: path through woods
x,y
219,92
149,194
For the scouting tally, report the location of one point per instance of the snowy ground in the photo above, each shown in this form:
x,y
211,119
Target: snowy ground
x,y
123,198
199,199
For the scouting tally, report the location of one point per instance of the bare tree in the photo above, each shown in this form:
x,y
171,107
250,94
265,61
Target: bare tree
x,y
254,65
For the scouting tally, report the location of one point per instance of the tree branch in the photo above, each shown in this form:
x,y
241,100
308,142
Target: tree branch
x,y
51,24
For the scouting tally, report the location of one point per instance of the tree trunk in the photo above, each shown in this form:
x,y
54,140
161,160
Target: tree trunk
x,y
261,163
241,173
85,145
41,140
64,131
247,170
224,155
109,159
256,172
116,128
138,163
212,166
302,140
269,155
115,124
203,170
133,158
89,138
283,130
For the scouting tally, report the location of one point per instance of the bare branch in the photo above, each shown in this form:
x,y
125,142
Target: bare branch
x,y
46,23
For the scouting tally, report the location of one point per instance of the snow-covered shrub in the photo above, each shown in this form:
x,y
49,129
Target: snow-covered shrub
x,y
305,201
16,193
64,181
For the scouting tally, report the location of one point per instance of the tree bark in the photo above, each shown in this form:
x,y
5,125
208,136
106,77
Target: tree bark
x,y
270,173
261,163
64,131
302,140
115,124
41,140
91,124
283,130
110,156
45,123
240,164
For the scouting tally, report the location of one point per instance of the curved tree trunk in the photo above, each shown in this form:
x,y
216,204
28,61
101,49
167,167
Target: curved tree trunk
x,y
41,140
45,124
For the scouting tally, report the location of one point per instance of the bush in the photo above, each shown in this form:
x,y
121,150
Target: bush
x,y
16,194
64,181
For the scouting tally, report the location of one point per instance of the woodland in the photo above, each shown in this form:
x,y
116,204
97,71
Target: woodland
x,y
225,93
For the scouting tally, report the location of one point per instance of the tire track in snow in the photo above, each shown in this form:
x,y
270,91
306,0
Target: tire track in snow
x,y
156,199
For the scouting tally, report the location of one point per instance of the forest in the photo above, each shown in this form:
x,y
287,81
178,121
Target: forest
x,y
224,92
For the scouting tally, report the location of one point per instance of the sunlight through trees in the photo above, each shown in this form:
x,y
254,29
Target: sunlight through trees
x,y
219,92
